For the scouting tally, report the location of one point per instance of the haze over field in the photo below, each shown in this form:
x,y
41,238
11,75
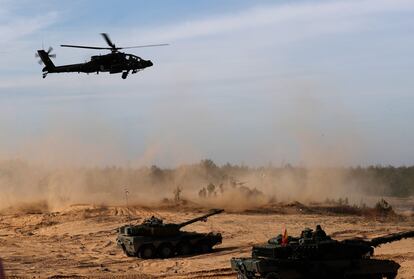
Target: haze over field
x,y
33,188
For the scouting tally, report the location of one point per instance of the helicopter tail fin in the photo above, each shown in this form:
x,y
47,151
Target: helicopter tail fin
x,y
45,57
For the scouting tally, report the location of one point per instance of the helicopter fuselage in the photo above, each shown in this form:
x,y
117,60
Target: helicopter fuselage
x,y
115,62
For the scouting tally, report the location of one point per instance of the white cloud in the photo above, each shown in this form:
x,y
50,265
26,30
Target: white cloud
x,y
329,12
15,27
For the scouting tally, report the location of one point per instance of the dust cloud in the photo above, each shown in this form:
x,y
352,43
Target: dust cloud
x,y
41,188
68,163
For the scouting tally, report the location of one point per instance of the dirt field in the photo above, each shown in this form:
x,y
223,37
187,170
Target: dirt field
x,y
80,241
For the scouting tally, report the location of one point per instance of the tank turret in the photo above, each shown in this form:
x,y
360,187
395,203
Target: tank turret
x,y
153,238
156,227
317,245
316,251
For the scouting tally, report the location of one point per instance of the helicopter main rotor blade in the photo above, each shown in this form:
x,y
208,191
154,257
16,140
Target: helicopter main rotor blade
x,y
108,40
88,47
157,45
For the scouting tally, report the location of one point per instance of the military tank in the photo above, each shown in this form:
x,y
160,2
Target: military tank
x,y
316,255
154,238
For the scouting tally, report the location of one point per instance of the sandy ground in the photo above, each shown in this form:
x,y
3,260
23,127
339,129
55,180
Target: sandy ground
x,y
80,242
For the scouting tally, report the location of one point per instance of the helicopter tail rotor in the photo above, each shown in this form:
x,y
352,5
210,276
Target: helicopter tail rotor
x,y
45,56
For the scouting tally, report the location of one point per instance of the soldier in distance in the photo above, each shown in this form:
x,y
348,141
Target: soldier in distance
x,y
319,233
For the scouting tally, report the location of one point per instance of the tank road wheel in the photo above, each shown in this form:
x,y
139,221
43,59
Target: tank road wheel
x,y
184,248
147,252
166,250
205,247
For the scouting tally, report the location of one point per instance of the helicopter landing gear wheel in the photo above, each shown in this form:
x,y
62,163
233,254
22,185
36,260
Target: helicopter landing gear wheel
x,y
44,75
124,75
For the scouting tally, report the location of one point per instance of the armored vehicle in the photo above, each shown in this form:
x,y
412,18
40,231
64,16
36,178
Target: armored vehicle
x,y
154,238
316,255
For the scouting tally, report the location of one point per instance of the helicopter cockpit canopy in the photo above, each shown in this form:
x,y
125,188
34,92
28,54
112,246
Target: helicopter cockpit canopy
x,y
130,57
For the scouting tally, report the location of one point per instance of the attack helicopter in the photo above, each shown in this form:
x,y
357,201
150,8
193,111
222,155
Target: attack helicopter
x,y
113,62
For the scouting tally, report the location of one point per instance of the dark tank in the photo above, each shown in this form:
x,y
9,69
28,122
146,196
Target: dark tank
x,y
316,255
154,238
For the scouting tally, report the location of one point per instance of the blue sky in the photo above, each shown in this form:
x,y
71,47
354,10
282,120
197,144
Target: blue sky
x,y
302,82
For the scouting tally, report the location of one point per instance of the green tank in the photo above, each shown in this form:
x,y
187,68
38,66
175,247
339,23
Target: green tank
x,y
315,255
154,238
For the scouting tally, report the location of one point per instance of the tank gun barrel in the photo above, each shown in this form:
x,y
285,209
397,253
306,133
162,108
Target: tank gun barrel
x,y
201,218
391,238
